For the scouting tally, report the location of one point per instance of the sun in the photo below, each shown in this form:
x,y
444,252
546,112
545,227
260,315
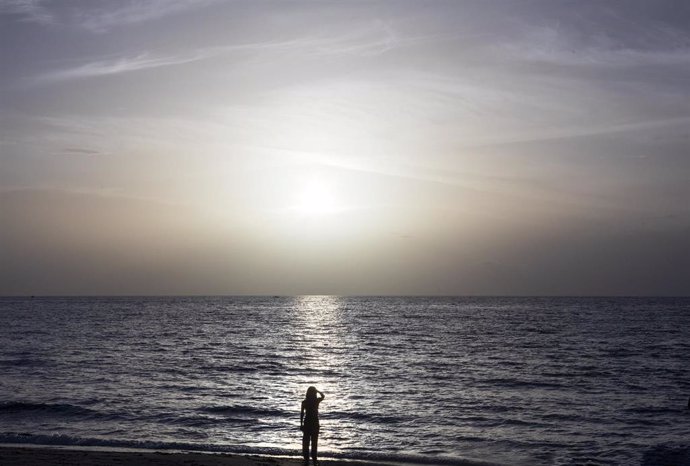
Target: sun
x,y
316,197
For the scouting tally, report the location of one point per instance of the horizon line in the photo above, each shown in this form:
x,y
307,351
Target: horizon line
x,y
249,295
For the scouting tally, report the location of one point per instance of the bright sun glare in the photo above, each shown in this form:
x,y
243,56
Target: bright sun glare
x,y
316,197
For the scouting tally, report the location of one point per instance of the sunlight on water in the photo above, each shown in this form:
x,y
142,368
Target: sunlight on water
x,y
326,356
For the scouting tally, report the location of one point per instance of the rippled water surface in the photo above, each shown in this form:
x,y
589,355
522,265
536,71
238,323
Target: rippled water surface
x,y
509,380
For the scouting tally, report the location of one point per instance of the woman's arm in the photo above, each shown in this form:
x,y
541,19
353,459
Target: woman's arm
x,y
321,393
301,417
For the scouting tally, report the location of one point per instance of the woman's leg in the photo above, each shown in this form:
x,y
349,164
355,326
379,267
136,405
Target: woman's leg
x,y
314,445
305,446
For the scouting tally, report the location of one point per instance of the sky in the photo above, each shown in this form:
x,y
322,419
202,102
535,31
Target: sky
x,y
170,147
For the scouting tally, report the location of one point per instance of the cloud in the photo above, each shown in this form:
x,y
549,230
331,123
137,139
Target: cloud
x,y
550,45
97,16
114,66
105,19
602,35
572,132
28,10
368,41
79,151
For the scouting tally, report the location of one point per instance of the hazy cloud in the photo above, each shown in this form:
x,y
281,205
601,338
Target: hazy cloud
x,y
366,41
114,66
97,16
554,45
27,10
108,15
79,151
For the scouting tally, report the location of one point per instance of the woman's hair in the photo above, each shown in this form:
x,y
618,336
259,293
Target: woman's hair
x,y
311,394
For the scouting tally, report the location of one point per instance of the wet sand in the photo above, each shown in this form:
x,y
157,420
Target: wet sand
x,y
32,455
55,456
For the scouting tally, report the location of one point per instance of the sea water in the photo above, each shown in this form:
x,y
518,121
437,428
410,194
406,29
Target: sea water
x,y
534,381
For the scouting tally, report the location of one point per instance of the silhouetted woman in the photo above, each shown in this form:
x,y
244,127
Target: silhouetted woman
x,y
309,424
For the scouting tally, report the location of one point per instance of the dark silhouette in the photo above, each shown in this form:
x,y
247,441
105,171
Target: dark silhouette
x,y
309,424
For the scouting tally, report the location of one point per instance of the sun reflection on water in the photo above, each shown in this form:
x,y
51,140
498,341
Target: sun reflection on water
x,y
324,339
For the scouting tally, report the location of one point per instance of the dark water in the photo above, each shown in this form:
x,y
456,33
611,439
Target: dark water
x,y
509,380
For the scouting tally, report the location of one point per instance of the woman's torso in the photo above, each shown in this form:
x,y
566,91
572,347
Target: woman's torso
x,y
311,408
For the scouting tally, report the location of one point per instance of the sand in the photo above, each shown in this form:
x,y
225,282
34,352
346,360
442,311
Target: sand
x,y
33,455
54,456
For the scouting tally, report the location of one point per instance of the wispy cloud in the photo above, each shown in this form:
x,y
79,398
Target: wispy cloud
x,y
556,45
79,151
28,10
116,14
364,42
372,40
113,66
97,16
583,131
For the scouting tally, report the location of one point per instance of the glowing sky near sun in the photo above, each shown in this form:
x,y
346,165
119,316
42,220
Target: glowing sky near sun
x,y
394,147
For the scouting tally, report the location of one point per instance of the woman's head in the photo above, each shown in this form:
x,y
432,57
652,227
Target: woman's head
x,y
311,393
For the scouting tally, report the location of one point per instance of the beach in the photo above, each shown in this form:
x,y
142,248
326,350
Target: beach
x,y
21,455
54,456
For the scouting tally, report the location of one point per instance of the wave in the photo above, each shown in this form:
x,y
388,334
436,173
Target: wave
x,y
243,410
667,454
67,440
654,410
362,416
64,409
208,415
23,362
516,383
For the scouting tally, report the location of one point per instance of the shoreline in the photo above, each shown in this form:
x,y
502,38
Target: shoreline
x,y
57,455
82,455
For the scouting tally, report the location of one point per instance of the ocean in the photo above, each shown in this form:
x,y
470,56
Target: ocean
x,y
534,381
